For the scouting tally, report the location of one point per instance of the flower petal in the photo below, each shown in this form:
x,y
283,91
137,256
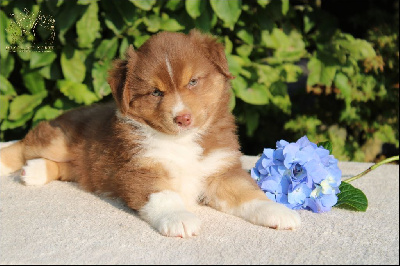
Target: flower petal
x,y
281,144
303,141
269,153
328,200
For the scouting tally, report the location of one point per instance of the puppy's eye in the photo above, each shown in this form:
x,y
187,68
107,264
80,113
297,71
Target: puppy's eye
x,y
157,93
193,82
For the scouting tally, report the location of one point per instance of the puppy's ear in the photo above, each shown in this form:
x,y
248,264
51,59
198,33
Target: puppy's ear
x,y
214,51
117,79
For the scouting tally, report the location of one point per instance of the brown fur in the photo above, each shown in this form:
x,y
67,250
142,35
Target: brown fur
x,y
104,153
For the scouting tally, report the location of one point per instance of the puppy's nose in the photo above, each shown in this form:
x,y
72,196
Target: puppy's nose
x,y
183,120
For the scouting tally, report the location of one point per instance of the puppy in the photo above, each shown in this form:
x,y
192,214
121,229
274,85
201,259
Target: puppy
x,y
167,143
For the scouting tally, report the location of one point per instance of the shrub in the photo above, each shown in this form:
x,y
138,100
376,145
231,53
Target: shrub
x,y
297,73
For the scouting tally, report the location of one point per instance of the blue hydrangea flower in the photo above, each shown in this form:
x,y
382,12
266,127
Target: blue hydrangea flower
x,y
300,175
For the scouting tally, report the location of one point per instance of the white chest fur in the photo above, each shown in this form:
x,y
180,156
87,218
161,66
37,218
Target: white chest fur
x,y
182,157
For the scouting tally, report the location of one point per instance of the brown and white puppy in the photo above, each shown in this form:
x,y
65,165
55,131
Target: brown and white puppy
x,y
168,144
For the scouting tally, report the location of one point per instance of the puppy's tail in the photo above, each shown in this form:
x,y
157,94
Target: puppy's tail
x,y
11,158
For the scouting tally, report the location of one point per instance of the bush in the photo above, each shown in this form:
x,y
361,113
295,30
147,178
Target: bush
x,y
301,67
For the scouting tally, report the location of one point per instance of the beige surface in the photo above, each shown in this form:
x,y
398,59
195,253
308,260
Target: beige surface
x,y
61,224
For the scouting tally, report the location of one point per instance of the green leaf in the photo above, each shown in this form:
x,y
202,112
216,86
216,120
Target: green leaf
x,y
139,40
24,104
303,125
291,72
52,72
206,21
235,64
84,2
77,92
33,81
153,23
144,4
263,3
257,94
308,23
267,74
276,39
252,118
314,66
326,145
113,19
4,106
87,34
54,5
342,83
244,50
357,48
195,7
72,64
6,88
45,113
128,12
6,124
246,36
122,47
351,198
228,45
174,4
285,7
170,24
99,75
24,55
3,40
39,59
107,49
69,13
279,96
320,73
7,65
364,50
228,11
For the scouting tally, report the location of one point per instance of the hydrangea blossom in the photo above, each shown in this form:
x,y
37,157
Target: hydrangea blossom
x,y
300,175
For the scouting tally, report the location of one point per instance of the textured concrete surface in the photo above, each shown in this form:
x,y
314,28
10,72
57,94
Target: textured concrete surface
x,y
61,224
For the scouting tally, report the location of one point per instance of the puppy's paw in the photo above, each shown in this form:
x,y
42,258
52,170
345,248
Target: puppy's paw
x,y
166,212
34,173
270,214
178,224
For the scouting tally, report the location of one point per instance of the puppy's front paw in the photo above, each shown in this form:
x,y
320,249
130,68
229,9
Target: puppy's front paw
x,y
166,212
270,214
178,224
34,173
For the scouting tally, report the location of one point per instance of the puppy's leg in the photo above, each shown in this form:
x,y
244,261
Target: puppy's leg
x,y
166,212
236,193
42,171
44,141
149,191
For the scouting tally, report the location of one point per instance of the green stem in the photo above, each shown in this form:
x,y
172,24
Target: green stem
x,y
388,160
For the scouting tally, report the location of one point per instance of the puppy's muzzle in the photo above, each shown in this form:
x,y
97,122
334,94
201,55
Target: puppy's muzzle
x,y
183,120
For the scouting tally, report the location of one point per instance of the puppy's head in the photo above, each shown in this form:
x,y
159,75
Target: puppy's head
x,y
173,82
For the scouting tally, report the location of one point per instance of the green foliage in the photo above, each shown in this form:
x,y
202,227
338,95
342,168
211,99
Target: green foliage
x,y
297,73
327,145
351,198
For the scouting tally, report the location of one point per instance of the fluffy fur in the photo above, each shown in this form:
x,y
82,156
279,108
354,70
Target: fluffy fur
x,y
166,144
